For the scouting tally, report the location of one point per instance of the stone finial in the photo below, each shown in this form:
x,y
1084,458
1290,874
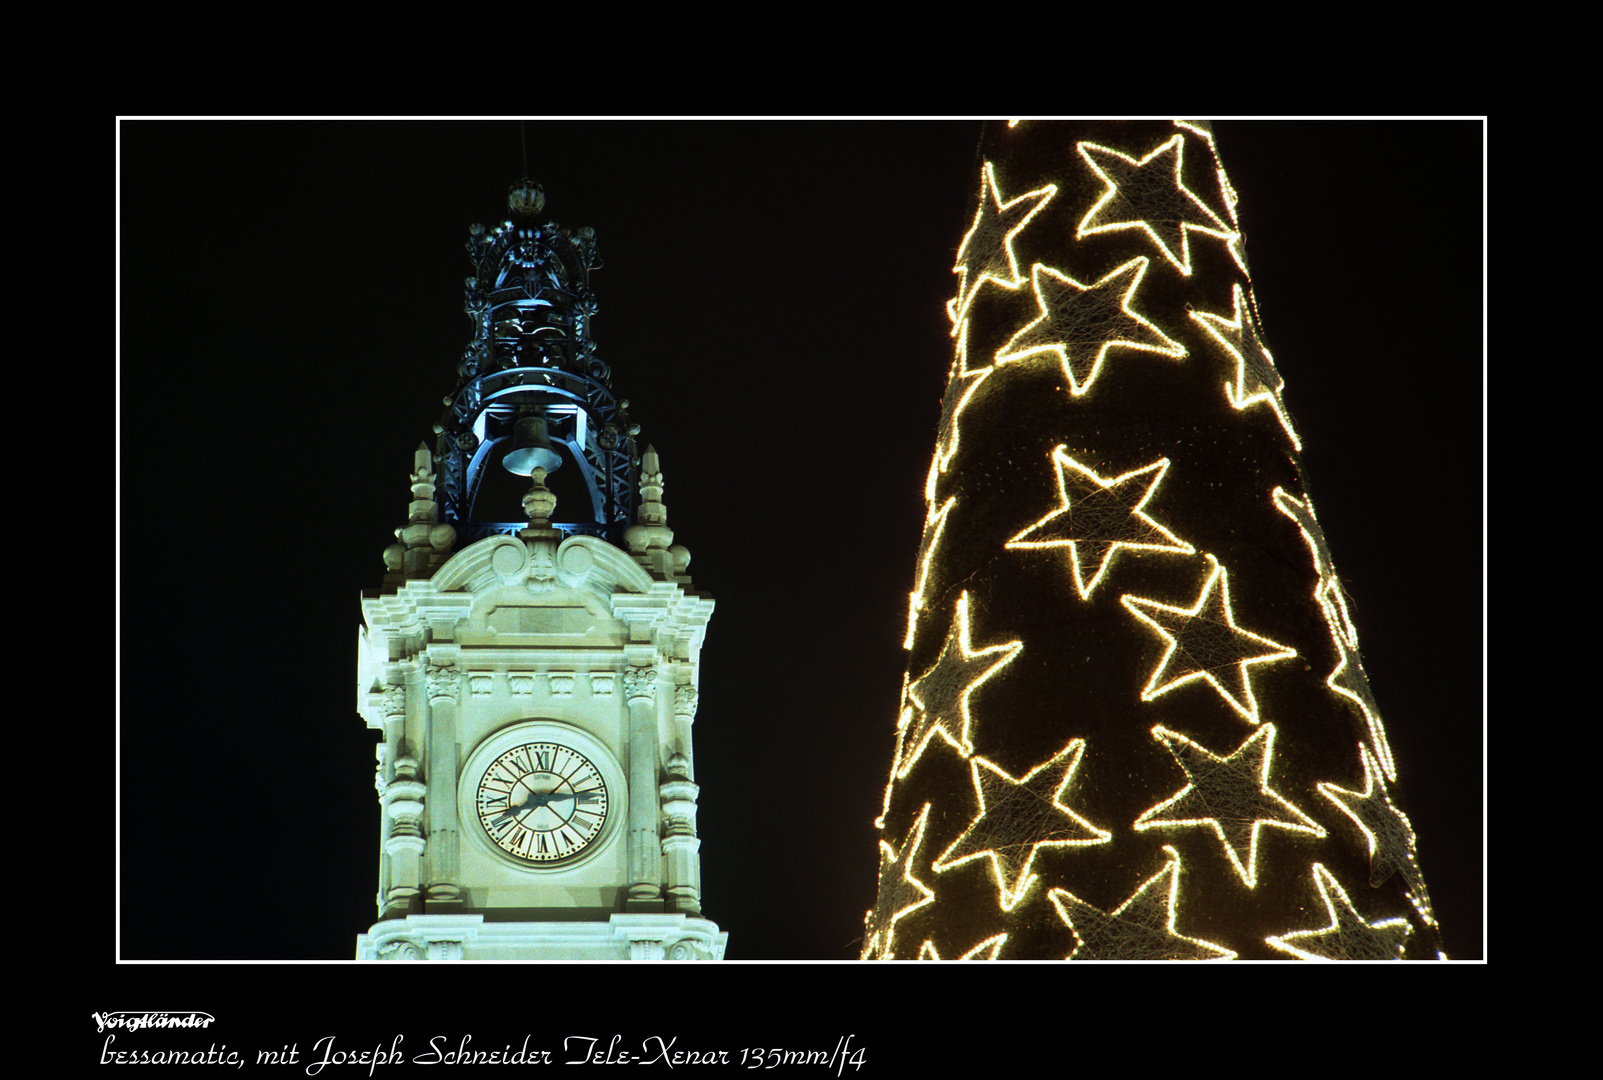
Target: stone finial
x,y
538,502
423,542
650,536
651,485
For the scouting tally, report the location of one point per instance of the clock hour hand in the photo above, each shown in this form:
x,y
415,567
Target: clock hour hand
x,y
531,800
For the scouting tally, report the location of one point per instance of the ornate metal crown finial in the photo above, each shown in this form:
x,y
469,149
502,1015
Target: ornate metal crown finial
x,y
532,365
526,198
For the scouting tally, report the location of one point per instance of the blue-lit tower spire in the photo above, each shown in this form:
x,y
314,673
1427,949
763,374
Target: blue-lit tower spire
x,y
531,391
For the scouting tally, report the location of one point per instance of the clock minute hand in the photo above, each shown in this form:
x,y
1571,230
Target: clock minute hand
x,y
546,798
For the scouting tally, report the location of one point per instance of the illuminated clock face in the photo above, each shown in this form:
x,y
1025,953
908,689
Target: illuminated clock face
x,y
542,802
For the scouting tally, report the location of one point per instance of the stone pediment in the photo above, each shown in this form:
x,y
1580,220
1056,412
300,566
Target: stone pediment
x,y
537,592
583,563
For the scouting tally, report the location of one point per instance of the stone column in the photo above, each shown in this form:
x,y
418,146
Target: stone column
x,y
393,707
644,850
685,699
403,811
680,845
443,894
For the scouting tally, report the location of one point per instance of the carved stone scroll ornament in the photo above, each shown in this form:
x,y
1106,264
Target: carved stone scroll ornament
x,y
392,702
640,683
443,682
401,949
687,949
414,948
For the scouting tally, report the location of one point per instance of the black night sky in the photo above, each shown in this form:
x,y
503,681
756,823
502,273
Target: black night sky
x,y
772,304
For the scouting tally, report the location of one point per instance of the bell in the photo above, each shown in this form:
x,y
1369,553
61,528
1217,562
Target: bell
x,y
531,448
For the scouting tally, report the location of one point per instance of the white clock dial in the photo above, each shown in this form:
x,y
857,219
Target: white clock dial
x,y
542,802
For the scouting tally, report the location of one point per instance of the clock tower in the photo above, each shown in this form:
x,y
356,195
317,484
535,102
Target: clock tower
x,y
534,681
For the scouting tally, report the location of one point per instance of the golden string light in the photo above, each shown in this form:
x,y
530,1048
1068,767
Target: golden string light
x,y
1348,935
933,526
1141,928
1387,830
1079,324
900,892
1204,642
1096,516
1229,796
986,253
989,949
1257,382
941,695
1149,195
1347,678
1018,817
968,382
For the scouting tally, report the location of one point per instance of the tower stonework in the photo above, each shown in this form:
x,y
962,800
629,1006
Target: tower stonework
x,y
534,681
1135,724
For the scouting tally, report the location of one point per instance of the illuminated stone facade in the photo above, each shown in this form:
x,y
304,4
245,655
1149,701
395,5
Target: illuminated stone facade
x,y
535,690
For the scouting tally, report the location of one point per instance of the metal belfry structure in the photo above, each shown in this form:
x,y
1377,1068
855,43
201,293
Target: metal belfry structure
x,y
530,383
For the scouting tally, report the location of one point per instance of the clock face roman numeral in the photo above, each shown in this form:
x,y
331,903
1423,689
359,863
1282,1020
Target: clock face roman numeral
x,y
543,802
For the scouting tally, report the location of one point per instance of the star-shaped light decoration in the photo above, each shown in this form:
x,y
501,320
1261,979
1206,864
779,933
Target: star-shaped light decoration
x,y
1079,323
900,893
986,253
1019,817
1228,197
1141,928
1096,516
1151,196
1257,382
903,720
1388,830
934,524
1204,642
1229,796
989,949
1349,936
1347,678
961,386
942,693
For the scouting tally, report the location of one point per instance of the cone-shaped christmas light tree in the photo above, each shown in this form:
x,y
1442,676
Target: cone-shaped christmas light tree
x,y
1135,725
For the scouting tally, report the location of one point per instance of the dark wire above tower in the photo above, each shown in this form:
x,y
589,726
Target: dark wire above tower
x,y
1135,725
